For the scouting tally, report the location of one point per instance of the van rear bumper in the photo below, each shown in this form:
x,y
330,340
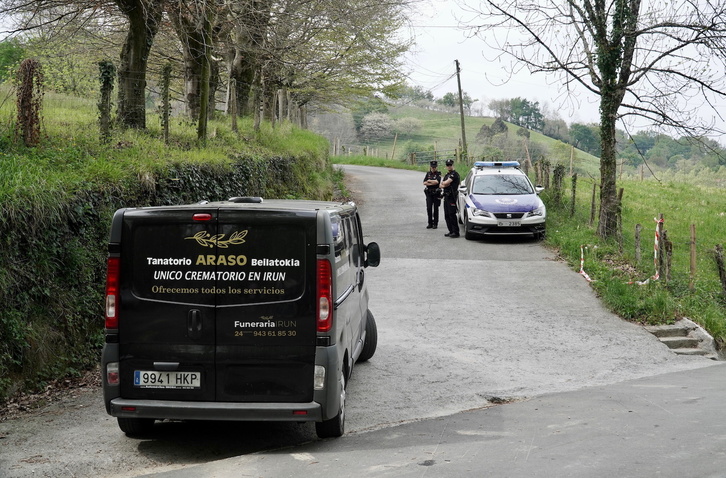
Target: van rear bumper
x,y
224,411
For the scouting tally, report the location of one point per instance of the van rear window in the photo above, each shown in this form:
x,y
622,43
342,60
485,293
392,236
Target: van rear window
x,y
224,264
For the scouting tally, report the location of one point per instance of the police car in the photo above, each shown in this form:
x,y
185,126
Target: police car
x,y
498,198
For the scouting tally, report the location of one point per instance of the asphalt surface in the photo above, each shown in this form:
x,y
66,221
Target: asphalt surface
x,y
494,359
671,425
523,372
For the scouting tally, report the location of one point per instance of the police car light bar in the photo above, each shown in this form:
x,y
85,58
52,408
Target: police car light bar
x,y
496,164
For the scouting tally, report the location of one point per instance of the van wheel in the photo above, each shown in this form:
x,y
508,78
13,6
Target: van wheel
x,y
334,427
369,348
135,427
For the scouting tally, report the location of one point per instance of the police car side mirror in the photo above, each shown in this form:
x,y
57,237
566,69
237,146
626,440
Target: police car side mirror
x,y
373,255
538,189
462,189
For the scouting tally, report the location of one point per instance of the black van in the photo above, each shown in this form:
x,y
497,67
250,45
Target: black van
x,y
236,310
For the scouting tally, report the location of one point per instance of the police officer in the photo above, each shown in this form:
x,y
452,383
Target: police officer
x,y
450,184
433,198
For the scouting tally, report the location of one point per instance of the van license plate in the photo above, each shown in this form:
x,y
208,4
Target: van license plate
x,y
507,223
177,380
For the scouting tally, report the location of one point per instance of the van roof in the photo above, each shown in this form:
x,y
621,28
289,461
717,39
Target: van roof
x,y
278,204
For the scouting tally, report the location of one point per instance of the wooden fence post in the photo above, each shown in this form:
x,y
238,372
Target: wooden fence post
x,y
638,229
593,205
619,219
692,282
659,228
720,265
557,178
574,194
668,259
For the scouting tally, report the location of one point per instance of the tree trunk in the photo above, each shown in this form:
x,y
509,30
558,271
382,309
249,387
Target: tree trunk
x,y
144,17
243,72
204,92
192,42
608,223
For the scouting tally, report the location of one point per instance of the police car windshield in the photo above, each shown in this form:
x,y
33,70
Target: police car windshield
x,y
503,184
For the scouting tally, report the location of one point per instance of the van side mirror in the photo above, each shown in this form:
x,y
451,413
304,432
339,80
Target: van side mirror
x,y
373,255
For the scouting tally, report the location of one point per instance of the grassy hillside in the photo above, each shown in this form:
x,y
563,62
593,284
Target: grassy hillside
x,y
57,199
442,131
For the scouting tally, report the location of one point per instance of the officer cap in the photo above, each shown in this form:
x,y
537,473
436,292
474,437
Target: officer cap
x,y
449,162
433,164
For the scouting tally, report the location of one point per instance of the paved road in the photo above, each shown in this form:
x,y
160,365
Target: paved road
x,y
464,323
463,326
668,426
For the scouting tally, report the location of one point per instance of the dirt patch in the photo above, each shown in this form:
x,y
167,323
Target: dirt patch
x,y
56,390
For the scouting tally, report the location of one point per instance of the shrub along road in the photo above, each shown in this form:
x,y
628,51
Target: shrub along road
x,y
462,325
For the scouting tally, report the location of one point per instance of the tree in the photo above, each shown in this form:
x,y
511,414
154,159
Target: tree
x,y
526,114
144,18
415,94
408,125
85,31
376,126
364,107
11,53
485,134
661,61
586,138
556,128
501,109
451,100
499,127
332,50
195,25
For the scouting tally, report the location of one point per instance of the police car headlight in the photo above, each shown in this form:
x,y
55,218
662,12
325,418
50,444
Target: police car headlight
x,y
539,212
481,212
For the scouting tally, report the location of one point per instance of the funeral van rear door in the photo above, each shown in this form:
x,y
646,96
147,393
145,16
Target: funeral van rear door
x,y
167,317
265,323
218,304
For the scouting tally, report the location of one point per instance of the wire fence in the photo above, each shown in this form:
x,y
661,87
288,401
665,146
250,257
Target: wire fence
x,y
660,238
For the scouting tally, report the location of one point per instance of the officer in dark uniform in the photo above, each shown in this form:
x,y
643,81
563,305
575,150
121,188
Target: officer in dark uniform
x,y
432,190
451,191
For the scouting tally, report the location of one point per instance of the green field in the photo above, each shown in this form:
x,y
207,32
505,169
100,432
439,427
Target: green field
x,y
442,131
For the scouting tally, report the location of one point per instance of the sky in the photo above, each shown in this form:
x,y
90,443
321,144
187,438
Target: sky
x,y
439,42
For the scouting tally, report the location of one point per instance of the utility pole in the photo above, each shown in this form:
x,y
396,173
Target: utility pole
x,y
461,111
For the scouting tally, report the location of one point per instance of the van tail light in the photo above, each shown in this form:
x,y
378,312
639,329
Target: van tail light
x,y
113,274
112,375
325,296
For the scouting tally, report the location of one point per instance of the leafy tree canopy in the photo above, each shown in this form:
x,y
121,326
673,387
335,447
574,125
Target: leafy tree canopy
x,y
366,106
11,53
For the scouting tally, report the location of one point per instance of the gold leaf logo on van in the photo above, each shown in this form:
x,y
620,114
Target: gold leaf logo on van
x,y
207,240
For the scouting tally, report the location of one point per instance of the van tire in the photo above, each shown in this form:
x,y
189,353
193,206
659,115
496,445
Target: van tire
x,y
369,347
135,427
335,427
